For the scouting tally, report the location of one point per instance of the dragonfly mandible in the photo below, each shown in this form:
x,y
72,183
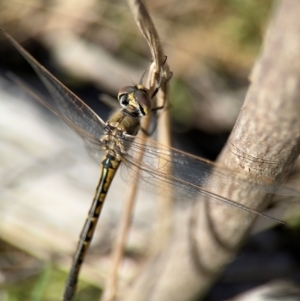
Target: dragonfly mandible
x,y
117,138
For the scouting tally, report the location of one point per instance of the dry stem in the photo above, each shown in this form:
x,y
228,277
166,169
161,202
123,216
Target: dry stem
x,y
148,30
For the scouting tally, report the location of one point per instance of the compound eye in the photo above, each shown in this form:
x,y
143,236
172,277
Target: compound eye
x,y
123,100
123,95
143,99
126,90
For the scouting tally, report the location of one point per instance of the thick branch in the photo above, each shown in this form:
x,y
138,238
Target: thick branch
x,y
263,146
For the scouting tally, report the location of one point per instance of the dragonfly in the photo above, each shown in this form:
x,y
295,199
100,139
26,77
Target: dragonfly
x,y
190,176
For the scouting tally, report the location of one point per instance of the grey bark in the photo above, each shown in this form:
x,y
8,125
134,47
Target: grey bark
x,y
263,146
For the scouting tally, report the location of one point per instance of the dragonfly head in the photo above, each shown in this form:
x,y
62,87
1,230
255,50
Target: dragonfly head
x,y
137,97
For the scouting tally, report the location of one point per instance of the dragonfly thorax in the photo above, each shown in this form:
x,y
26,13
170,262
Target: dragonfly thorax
x,y
114,145
136,99
118,127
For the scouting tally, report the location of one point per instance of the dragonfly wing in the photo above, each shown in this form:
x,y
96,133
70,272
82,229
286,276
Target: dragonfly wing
x,y
187,176
95,148
66,103
93,144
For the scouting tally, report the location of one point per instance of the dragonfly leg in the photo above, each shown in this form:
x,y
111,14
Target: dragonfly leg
x,y
150,132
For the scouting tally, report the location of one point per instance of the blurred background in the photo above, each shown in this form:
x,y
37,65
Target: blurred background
x,y
47,177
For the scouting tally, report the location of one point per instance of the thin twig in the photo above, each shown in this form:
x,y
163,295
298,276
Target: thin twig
x,y
146,26
145,23
164,208
149,32
161,71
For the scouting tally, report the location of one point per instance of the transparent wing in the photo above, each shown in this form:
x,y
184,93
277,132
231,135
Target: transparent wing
x,y
69,107
163,167
188,176
66,104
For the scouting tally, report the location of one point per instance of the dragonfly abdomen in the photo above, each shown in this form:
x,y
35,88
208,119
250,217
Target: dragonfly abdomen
x,y
110,165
